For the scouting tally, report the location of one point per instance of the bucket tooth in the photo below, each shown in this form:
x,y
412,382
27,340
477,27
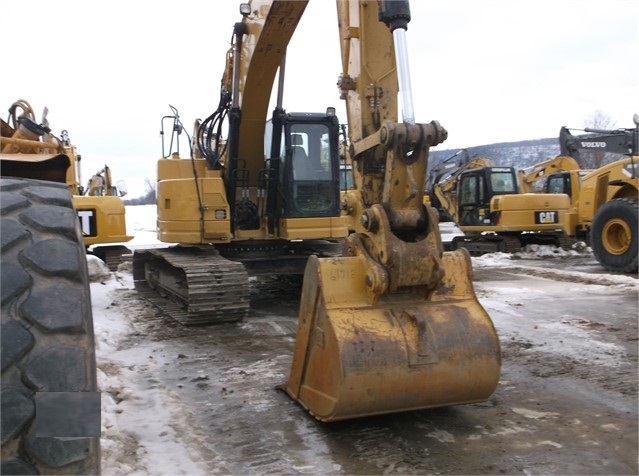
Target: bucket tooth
x,y
354,358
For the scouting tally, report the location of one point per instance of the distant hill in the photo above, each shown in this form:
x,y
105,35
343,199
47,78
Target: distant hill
x,y
519,154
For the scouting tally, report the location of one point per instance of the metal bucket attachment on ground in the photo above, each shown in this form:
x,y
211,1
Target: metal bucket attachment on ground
x,y
353,358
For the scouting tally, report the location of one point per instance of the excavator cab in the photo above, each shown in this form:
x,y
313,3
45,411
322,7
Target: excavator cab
x,y
307,152
477,187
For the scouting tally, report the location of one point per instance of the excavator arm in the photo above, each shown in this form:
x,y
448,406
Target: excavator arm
x,y
619,141
393,325
389,158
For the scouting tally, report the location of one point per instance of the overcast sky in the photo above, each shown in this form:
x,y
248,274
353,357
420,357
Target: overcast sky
x,y
487,70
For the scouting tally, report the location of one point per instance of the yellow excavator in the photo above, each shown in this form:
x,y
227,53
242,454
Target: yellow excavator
x,y
441,183
101,184
102,215
388,321
487,205
29,149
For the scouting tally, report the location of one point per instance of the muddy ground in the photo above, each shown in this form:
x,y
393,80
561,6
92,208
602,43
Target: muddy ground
x,y
566,402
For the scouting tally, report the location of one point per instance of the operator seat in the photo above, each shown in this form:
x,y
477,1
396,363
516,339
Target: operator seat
x,y
500,186
301,164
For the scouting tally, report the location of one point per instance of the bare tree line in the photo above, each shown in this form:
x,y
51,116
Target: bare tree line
x,y
590,159
149,195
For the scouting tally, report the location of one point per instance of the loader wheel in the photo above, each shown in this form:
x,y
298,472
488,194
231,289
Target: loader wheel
x,y
49,386
613,235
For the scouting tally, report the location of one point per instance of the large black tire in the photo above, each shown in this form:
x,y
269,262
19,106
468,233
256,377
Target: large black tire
x,y
613,235
47,333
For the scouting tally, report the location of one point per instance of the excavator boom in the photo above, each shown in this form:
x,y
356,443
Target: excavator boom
x,y
618,141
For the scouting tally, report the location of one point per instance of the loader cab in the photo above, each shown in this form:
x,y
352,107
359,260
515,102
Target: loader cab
x,y
559,183
568,182
308,165
477,187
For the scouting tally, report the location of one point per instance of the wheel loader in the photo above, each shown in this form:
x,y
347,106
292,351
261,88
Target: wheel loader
x,y
531,177
388,321
29,148
604,200
50,399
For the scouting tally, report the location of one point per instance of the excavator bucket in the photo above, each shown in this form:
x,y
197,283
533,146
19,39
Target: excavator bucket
x,y
354,358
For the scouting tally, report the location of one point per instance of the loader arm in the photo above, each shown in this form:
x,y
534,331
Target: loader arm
x,y
541,170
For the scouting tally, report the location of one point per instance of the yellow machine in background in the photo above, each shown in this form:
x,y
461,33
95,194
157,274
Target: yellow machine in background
x,y
102,217
552,202
101,184
388,321
28,149
486,203
607,213
605,201
441,183
533,175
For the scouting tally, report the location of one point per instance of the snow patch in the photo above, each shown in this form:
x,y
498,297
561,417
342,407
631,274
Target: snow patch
x,y
525,412
98,270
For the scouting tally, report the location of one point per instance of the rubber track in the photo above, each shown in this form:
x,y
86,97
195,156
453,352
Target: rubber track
x,y
217,288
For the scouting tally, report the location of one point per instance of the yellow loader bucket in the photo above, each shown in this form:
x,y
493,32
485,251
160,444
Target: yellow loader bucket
x,y
354,358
